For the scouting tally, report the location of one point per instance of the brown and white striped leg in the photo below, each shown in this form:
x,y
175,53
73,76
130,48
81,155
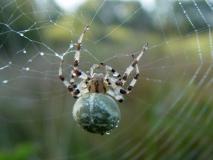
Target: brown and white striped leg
x,y
110,69
79,74
75,71
78,48
70,86
134,80
118,97
132,66
116,91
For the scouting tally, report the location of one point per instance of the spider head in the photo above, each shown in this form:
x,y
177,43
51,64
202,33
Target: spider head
x,y
97,84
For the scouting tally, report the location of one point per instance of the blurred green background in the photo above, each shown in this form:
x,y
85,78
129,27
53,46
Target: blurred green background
x,y
169,114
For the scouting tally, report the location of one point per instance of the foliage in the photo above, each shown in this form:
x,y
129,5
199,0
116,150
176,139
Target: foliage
x,y
21,152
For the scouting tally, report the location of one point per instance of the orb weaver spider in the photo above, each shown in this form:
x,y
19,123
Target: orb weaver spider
x,y
95,110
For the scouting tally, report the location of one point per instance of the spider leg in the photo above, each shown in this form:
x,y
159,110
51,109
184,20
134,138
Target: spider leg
x,y
133,66
131,85
118,97
76,72
117,84
78,48
75,90
107,69
110,69
70,86
134,80
115,91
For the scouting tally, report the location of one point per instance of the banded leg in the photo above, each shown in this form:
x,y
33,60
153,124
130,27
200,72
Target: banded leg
x,y
107,69
110,69
78,74
78,48
118,97
116,91
134,80
70,86
133,65
75,72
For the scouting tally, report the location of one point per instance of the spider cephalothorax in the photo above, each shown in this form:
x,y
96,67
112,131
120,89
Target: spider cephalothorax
x,y
95,110
97,84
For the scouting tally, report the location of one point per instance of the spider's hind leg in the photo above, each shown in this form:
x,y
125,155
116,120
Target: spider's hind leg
x,y
115,95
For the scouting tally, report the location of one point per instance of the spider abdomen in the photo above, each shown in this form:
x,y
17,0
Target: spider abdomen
x,y
96,113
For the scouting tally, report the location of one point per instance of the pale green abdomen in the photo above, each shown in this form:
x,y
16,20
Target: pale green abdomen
x,y
96,113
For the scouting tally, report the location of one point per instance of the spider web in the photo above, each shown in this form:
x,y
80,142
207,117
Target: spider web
x,y
167,116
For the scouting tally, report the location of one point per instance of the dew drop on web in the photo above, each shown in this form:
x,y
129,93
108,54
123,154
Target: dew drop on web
x,y
26,68
30,60
21,34
107,133
5,81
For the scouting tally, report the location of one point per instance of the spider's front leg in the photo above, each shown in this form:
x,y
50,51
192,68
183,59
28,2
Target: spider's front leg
x,y
78,48
117,83
130,68
76,72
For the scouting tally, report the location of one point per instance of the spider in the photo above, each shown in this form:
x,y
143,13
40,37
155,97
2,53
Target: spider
x,y
95,110
100,82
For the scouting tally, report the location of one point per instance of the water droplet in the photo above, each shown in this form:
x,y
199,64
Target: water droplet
x,y
10,63
24,51
71,45
41,53
107,133
5,81
87,28
21,34
30,60
26,69
26,30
